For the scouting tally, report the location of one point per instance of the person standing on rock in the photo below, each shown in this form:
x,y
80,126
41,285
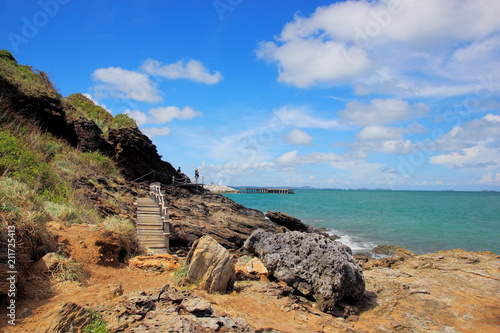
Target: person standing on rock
x,y
196,176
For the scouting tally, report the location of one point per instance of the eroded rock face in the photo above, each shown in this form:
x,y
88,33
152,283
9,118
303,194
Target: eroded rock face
x,y
290,222
211,265
90,136
169,310
137,156
195,215
311,263
70,317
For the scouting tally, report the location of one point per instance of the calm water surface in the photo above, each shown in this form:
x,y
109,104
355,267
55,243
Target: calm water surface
x,y
419,221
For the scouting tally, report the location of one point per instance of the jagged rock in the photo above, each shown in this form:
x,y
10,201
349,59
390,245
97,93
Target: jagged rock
x,y
136,154
90,136
195,215
169,310
211,265
69,318
288,221
387,249
47,263
402,254
200,307
312,263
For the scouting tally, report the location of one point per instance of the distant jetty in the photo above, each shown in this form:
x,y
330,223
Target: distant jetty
x,y
267,190
220,188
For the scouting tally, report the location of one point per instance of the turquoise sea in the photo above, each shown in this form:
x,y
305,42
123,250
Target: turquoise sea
x,y
421,222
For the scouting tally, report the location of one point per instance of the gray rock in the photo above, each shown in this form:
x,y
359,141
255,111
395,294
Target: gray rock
x,y
211,265
311,263
169,310
200,307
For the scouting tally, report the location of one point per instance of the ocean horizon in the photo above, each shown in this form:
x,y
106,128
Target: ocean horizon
x,y
420,221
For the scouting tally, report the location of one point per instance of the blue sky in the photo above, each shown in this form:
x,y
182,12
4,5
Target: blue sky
x,y
399,94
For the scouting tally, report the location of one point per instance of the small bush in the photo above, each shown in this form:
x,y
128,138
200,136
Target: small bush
x,y
122,231
102,164
94,112
96,325
123,121
67,269
22,163
180,275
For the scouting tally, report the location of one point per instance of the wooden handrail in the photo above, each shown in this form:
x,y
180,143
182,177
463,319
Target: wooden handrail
x,y
158,196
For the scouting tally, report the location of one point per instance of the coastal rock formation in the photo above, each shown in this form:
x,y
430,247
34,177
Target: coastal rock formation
x,y
70,317
220,188
195,215
446,291
211,265
312,263
90,136
290,222
137,156
169,310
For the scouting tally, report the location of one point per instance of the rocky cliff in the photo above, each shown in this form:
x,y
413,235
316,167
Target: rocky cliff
x,y
36,101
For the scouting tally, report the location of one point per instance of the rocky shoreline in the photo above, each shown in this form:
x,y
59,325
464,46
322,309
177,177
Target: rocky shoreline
x,y
220,188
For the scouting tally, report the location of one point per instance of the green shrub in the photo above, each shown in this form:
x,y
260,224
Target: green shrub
x,y
29,166
123,121
100,163
180,275
96,325
94,112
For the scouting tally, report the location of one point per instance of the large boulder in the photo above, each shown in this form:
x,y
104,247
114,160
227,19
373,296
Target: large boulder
x,y
288,221
311,263
211,265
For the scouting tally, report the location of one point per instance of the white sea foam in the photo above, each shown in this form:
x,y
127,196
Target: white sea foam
x,y
356,244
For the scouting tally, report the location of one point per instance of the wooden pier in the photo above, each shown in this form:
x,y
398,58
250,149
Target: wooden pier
x,y
267,190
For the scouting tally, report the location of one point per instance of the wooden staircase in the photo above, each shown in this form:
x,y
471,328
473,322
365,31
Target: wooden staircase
x,y
152,221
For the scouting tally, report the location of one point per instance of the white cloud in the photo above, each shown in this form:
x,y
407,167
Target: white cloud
x,y
301,117
166,114
162,115
308,62
381,112
140,117
292,158
477,131
476,157
121,83
380,133
298,137
152,132
490,178
191,69
435,46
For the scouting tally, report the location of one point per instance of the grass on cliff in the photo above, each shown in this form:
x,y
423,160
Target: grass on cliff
x,y
98,114
44,178
27,80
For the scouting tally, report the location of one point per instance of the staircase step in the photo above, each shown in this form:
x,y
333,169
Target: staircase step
x,y
150,226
